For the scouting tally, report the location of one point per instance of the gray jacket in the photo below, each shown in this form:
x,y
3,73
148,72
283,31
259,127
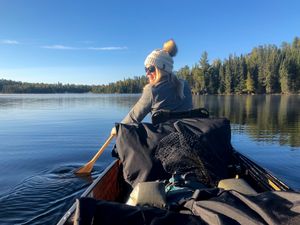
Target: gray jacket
x,y
161,96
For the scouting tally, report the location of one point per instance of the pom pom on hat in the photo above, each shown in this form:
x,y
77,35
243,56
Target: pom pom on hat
x,y
170,47
162,58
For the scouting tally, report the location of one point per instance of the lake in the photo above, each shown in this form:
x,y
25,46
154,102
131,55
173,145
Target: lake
x,y
44,138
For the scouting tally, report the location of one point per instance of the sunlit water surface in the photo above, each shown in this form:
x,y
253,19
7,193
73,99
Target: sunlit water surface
x,y
44,138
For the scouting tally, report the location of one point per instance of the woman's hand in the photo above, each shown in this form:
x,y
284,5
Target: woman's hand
x,y
113,131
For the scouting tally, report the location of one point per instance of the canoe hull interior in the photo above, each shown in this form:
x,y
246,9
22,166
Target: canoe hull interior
x,y
110,184
109,187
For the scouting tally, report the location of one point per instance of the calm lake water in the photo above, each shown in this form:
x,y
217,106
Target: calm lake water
x,y
44,138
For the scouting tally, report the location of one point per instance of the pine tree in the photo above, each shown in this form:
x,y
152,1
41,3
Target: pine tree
x,y
228,76
221,89
284,77
249,84
204,67
198,78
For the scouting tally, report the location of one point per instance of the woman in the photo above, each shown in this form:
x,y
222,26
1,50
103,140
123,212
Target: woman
x,y
164,91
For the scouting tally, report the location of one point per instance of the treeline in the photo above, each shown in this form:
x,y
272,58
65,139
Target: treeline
x,y
134,85
266,69
8,86
126,86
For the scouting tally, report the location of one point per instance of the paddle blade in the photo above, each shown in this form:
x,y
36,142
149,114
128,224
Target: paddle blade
x,y
86,169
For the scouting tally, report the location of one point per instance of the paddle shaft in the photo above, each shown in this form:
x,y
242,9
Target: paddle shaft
x,y
100,151
87,168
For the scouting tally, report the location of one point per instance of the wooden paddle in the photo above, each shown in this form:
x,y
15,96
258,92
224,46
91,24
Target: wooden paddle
x,y
87,168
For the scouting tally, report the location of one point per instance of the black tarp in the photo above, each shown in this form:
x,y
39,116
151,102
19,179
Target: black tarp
x,y
92,212
137,145
212,206
232,207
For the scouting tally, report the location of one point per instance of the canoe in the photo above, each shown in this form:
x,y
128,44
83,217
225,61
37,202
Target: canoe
x,y
108,185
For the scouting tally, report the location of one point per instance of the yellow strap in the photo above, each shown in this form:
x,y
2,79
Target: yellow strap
x,y
274,186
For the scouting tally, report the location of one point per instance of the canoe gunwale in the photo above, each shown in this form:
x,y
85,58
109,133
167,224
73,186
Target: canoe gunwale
x,y
260,175
87,192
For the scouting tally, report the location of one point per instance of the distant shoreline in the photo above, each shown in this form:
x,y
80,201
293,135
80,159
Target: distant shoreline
x,y
66,93
128,86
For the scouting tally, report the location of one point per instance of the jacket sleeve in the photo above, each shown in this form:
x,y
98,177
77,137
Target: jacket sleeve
x,y
141,108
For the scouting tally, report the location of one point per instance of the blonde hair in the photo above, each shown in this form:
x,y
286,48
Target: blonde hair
x,y
178,84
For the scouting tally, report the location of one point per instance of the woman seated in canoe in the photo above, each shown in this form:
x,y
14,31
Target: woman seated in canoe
x,y
164,90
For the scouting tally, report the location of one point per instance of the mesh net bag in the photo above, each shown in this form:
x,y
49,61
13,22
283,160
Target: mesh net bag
x,y
185,152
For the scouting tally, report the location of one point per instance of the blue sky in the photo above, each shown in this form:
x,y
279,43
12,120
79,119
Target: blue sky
x,y
97,42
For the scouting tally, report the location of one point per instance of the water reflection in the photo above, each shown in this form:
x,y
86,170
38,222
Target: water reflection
x,y
268,118
10,101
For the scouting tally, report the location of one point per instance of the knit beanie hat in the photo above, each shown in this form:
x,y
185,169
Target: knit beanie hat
x,y
162,58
